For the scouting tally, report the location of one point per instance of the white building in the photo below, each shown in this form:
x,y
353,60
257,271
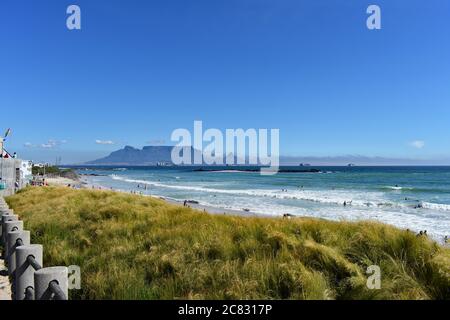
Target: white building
x,y
15,174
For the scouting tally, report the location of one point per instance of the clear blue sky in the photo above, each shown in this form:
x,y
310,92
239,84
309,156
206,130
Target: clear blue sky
x,y
139,69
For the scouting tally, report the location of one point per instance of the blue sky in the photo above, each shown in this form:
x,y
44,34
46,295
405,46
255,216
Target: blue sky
x,y
139,69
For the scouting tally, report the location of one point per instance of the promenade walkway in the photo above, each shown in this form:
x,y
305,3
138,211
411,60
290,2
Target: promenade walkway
x,y
5,286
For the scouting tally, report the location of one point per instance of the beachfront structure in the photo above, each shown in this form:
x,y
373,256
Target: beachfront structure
x,y
41,165
14,175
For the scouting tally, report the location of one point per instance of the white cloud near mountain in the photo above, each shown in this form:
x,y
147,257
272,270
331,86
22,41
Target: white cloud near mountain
x,y
104,142
50,144
418,144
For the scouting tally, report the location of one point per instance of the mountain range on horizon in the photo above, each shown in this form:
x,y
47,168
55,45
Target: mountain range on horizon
x,y
155,155
148,155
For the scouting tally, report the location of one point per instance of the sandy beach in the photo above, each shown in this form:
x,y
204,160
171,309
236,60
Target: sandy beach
x,y
83,183
61,181
191,203
5,286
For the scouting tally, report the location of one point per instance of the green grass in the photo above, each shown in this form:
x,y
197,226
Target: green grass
x,y
54,170
134,247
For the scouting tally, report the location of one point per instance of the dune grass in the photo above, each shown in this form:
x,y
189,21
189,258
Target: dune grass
x,y
134,247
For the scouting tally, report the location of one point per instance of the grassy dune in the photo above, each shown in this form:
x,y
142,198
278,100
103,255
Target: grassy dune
x,y
134,247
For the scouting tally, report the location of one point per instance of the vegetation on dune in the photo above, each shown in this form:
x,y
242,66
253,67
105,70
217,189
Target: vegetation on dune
x,y
134,247
54,171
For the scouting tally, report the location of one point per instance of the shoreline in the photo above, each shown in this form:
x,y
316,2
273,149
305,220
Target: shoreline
x,y
83,183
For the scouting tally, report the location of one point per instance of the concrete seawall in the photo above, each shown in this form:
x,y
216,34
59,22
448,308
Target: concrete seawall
x,y
12,176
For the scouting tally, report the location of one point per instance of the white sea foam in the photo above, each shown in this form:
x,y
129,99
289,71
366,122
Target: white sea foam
x,y
395,188
230,171
364,199
336,197
365,205
436,206
400,219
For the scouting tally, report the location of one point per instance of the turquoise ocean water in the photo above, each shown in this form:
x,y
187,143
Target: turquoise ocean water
x,y
417,198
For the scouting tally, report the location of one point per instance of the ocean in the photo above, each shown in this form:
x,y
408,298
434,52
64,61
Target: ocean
x,y
415,198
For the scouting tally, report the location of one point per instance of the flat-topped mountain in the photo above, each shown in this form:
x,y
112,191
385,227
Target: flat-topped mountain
x,y
149,155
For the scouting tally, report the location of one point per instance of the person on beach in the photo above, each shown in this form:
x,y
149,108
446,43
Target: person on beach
x,y
345,203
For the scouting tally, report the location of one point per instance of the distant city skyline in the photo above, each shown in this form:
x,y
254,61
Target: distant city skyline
x,y
138,70
80,157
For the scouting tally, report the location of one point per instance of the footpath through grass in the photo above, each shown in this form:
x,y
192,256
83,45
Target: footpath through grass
x,y
135,247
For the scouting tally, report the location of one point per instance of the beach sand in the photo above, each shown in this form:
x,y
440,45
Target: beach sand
x,y
60,181
5,286
84,183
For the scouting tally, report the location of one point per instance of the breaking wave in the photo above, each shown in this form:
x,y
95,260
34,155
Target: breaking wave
x,y
333,197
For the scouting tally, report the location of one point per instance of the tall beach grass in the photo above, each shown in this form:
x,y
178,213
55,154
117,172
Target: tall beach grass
x,y
135,247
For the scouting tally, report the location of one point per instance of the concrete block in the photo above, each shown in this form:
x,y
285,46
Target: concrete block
x,y
24,276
